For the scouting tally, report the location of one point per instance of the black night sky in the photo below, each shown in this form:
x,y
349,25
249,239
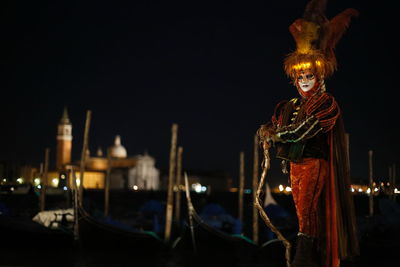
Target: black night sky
x,y
214,68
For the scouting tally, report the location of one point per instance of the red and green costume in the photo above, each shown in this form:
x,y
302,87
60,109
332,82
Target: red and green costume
x,y
310,135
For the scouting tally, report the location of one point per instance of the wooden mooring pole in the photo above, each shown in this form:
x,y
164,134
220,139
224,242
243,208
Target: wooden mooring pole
x,y
371,195
83,154
255,185
44,180
178,185
394,182
170,195
107,185
241,187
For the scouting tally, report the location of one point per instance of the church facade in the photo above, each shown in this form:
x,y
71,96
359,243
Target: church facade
x,y
136,172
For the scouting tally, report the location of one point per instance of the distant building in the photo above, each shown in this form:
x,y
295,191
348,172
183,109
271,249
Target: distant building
x,y
144,175
64,141
137,172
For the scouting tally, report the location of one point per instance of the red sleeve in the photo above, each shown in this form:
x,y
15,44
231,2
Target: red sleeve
x,y
325,109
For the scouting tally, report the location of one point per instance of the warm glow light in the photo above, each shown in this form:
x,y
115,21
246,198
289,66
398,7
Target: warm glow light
x,y
39,186
12,188
352,189
36,181
62,176
376,189
306,65
78,182
288,189
360,190
4,180
281,188
396,191
20,180
368,190
135,187
55,182
303,65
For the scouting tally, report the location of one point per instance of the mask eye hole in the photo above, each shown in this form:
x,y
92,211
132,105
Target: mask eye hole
x,y
310,76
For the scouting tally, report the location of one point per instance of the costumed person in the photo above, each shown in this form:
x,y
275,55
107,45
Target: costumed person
x,y
309,137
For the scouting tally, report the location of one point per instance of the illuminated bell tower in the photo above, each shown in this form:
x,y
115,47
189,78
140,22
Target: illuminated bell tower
x,y
64,141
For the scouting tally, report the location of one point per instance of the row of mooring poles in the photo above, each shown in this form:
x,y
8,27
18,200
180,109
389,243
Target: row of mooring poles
x,y
174,183
391,184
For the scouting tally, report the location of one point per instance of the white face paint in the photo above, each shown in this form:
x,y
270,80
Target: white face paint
x,y
306,80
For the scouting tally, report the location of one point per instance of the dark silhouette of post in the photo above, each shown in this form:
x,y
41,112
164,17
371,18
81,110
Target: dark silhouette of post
x,y
241,186
394,182
107,185
83,154
371,195
170,195
178,185
391,192
44,180
255,185
76,202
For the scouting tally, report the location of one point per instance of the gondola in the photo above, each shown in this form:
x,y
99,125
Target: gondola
x,y
37,243
203,245
105,243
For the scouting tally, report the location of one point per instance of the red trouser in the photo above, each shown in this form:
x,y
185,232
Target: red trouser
x,y
307,181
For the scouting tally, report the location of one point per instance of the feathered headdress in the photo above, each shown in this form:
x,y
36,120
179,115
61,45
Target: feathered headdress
x,y
316,38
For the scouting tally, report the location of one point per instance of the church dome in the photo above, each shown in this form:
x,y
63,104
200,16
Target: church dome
x,y
118,150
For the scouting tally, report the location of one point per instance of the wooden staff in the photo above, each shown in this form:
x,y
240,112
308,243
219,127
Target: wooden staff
x,y
264,215
178,185
170,195
107,184
44,180
83,155
255,183
241,187
371,195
